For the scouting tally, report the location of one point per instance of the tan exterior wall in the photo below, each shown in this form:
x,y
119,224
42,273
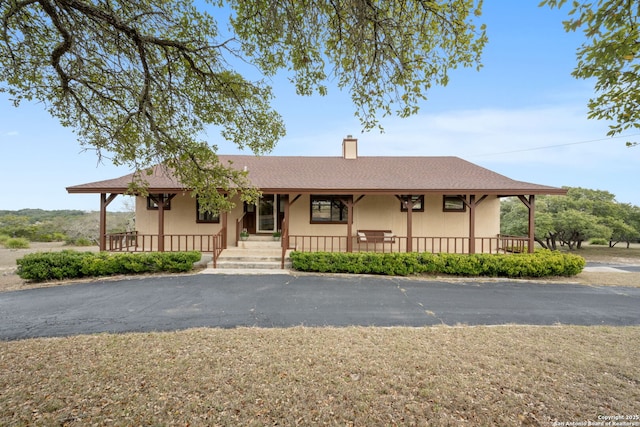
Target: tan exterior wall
x,y
372,212
383,213
181,218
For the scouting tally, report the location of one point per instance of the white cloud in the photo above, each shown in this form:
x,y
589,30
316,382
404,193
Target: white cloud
x,y
542,134
552,145
546,135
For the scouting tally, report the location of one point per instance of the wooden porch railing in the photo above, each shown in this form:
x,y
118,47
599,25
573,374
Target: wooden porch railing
x,y
219,244
497,244
216,243
136,242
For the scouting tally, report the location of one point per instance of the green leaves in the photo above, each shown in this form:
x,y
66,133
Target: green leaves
x,y
68,264
543,263
140,81
386,53
610,56
580,215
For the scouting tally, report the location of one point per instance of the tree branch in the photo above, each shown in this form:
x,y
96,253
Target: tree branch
x,y
61,48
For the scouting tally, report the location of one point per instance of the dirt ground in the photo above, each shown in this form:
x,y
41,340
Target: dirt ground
x,y
9,280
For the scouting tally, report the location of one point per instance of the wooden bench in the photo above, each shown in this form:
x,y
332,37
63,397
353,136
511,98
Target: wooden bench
x,y
376,236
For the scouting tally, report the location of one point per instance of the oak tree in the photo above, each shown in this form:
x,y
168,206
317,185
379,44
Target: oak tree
x,y
569,220
141,80
611,56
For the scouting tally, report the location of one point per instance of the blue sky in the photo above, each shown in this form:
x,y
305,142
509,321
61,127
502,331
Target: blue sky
x,y
522,115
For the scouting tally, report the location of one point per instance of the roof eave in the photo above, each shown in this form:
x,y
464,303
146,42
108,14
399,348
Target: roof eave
x,y
501,192
386,191
120,190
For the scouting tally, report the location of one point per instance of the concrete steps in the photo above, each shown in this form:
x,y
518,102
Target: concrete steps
x,y
258,252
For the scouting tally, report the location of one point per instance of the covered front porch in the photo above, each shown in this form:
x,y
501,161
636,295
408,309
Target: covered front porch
x,y
276,212
331,203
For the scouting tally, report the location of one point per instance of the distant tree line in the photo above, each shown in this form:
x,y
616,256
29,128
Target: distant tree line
x,y
71,226
582,215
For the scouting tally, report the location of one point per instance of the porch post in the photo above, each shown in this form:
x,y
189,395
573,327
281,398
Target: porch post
x,y
532,222
471,204
104,202
472,223
530,203
285,220
224,221
409,204
160,222
284,237
349,224
103,222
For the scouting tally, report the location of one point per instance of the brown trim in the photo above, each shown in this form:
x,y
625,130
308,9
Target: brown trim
x,y
472,203
409,205
472,223
104,202
349,202
162,206
123,190
225,223
530,203
502,192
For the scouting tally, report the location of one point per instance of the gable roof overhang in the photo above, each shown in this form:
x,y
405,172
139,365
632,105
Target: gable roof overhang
x,y
336,175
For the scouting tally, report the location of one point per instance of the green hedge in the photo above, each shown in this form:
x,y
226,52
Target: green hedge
x,y
543,263
41,266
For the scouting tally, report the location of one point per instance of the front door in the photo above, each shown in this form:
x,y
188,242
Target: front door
x,y
266,218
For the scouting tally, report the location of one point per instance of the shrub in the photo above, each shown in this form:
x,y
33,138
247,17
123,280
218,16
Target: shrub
x,y
599,241
49,237
4,238
71,264
16,243
79,241
540,264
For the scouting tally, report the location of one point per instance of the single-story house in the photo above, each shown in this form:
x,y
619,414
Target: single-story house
x,y
341,203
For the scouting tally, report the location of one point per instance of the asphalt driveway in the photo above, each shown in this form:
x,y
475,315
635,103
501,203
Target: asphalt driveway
x,y
282,300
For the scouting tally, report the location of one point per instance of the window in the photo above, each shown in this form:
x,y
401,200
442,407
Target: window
x,y
329,209
418,203
453,204
206,216
154,199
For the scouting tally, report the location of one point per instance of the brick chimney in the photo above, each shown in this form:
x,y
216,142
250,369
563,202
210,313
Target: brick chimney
x,y
350,147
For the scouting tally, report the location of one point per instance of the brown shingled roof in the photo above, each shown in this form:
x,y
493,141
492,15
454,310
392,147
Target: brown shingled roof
x,y
392,175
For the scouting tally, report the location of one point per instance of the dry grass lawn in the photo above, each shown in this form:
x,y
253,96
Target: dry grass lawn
x,y
616,255
437,376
